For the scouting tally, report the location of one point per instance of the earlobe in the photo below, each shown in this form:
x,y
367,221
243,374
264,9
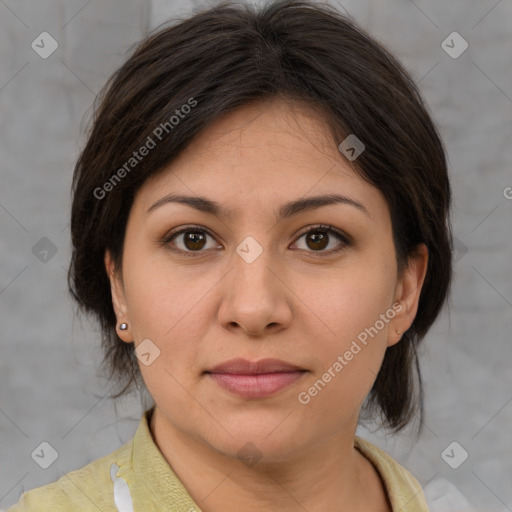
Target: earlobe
x,y
118,299
408,292
394,336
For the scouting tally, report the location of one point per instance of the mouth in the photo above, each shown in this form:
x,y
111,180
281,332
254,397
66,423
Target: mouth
x,y
258,379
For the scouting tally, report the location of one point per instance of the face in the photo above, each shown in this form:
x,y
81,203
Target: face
x,y
315,286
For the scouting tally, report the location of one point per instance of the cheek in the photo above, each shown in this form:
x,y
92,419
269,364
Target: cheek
x,y
348,301
352,311
164,308
169,308
346,365
157,296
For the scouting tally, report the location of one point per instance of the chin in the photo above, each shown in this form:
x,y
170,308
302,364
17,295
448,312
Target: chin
x,y
267,442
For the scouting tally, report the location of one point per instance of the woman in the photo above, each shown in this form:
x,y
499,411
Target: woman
x,y
260,224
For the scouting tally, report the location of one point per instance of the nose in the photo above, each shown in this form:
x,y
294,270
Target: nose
x,y
255,297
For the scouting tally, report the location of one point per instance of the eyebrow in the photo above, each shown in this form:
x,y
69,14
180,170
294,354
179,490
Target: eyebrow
x,y
287,210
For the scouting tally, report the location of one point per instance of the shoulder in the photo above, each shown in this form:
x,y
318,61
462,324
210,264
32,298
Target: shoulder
x,y
404,490
87,489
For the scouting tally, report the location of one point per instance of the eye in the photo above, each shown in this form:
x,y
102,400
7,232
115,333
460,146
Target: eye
x,y
320,237
189,240
194,239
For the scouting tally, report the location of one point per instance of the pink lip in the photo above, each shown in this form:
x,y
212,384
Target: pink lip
x,y
257,379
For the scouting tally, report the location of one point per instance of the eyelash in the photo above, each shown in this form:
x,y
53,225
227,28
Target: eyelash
x,y
345,240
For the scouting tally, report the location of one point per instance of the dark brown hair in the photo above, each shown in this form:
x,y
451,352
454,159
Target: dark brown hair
x,y
227,56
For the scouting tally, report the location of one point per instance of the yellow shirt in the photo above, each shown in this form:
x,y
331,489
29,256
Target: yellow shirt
x,y
136,477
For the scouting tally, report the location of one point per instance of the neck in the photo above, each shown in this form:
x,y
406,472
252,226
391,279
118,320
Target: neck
x,y
317,478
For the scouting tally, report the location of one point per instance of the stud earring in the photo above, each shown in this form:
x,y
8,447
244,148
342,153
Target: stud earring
x,y
123,326
398,332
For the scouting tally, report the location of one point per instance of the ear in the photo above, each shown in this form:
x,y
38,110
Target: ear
x,y
407,293
118,297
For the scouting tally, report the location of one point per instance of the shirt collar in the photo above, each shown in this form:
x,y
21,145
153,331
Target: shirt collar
x,y
404,491
152,471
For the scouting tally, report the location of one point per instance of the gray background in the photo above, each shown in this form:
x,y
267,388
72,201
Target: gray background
x,y
49,389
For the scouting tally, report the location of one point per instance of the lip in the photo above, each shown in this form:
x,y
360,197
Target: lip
x,y
255,379
242,366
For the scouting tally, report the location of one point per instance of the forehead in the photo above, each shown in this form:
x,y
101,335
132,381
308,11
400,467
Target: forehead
x,y
267,151
275,123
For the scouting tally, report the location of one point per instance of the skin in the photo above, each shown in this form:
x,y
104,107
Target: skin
x,y
296,302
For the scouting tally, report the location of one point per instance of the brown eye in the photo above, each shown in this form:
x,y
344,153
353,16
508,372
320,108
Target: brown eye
x,y
317,240
194,240
189,240
320,237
